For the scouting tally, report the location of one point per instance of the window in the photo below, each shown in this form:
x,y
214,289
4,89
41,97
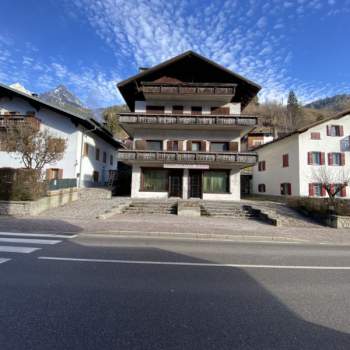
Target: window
x,y
335,130
315,136
104,157
196,110
315,158
172,146
154,145
336,158
111,159
97,154
341,190
95,176
154,180
262,165
86,149
54,174
286,189
316,189
219,146
178,109
216,181
155,109
285,161
261,188
195,146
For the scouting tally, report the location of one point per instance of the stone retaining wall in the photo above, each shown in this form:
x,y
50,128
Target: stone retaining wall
x,y
337,221
26,208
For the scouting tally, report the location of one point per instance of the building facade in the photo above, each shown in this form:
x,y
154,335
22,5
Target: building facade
x,y
186,125
292,164
91,152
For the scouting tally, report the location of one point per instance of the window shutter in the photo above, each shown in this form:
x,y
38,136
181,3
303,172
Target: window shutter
x,y
169,145
86,149
233,146
322,158
311,190
264,165
189,145
323,190
331,188
140,144
203,146
342,158
343,192
60,173
48,174
341,130
309,158
328,130
181,145
330,158
289,189
259,166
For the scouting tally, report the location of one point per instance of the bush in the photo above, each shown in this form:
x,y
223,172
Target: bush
x,y
319,206
20,185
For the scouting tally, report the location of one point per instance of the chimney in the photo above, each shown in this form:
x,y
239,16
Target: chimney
x,y
35,94
143,69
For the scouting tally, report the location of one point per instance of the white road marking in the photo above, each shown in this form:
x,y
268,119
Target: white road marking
x,y
29,240
2,260
14,249
21,234
174,263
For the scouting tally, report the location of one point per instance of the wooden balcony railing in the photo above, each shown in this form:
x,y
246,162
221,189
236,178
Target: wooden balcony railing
x,y
182,119
188,88
7,121
187,157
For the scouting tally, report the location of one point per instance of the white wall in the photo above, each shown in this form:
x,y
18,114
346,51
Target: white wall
x,y
275,173
140,106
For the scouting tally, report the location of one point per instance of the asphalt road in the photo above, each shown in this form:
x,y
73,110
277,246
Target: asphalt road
x,y
109,293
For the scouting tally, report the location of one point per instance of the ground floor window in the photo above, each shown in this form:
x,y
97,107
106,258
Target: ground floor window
x,y
154,180
286,189
216,181
261,188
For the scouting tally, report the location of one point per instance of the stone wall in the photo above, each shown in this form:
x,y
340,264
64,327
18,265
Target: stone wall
x,y
26,208
337,221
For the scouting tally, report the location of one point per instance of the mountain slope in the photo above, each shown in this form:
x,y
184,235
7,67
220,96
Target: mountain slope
x,y
335,103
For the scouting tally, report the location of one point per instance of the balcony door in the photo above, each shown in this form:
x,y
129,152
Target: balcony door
x,y
195,184
175,183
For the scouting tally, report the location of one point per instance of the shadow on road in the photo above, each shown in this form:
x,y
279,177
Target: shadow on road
x,y
88,305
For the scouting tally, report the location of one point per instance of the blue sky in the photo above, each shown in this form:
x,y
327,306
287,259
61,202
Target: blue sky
x,y
90,45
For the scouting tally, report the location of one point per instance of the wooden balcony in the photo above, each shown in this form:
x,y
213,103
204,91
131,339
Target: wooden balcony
x,y
130,121
180,91
217,159
7,121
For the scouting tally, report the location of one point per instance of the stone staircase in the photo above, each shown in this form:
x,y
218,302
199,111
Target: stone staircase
x,y
225,209
147,206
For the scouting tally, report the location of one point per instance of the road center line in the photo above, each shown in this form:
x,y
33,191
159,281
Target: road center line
x,y
174,263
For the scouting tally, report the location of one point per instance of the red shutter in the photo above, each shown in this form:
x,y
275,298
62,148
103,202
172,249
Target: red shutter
x,y
264,165
169,145
323,191
331,189
330,158
342,158
309,158
289,189
311,190
322,158
341,130
328,130
285,160
343,192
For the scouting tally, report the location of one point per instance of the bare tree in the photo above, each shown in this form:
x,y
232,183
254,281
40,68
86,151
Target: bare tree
x,y
333,180
34,147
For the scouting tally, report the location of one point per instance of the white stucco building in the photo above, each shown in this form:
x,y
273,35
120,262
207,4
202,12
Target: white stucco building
x,y
91,150
289,165
186,125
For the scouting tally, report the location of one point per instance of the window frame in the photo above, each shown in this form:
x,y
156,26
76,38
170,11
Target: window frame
x,y
225,143
142,183
159,142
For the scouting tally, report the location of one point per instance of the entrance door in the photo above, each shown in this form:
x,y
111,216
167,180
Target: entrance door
x,y
175,183
195,184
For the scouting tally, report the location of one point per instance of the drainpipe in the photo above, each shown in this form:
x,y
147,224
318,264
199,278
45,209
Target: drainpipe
x,y
81,151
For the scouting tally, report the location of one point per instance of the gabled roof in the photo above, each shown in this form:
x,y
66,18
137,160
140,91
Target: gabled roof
x,y
306,127
246,89
37,103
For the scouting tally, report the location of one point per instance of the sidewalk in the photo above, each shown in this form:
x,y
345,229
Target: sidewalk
x,y
171,226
